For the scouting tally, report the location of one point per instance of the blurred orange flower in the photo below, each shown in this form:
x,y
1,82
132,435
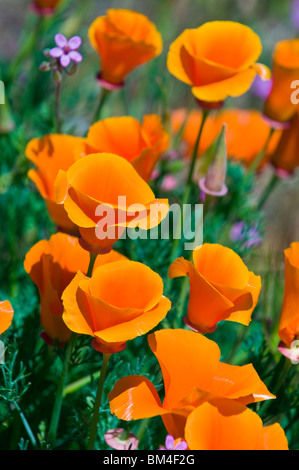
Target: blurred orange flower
x,y
140,144
107,186
285,70
122,300
52,153
192,373
289,321
246,133
222,424
221,287
217,60
6,315
124,40
285,157
52,264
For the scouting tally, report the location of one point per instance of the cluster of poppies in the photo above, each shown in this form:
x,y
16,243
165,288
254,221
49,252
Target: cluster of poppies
x,y
88,288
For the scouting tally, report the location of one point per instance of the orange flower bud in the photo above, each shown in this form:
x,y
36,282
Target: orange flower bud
x,y
289,321
52,153
140,144
103,194
279,106
124,40
221,287
217,60
122,300
6,315
192,374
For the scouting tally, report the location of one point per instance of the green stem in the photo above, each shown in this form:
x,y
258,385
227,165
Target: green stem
x,y
256,162
93,257
267,191
26,424
103,97
57,107
185,198
97,405
59,394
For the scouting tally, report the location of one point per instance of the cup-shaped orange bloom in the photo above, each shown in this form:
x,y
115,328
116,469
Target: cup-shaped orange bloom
x,y
122,300
221,287
103,194
285,71
247,133
289,321
223,424
6,315
52,264
285,157
217,60
192,374
124,40
140,143
50,154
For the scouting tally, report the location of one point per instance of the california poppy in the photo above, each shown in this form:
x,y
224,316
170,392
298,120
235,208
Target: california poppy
x,y
192,374
52,264
217,60
221,287
285,70
124,40
285,156
103,194
289,321
222,424
52,153
6,315
241,126
122,300
140,143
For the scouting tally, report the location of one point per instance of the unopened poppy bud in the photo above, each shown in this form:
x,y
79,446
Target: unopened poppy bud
x,y
7,123
45,66
73,69
57,76
214,181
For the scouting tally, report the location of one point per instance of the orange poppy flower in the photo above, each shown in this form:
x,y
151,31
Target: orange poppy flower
x,y
122,300
285,156
217,60
107,186
285,70
50,154
223,424
6,315
140,144
221,287
124,40
52,264
241,125
288,329
192,373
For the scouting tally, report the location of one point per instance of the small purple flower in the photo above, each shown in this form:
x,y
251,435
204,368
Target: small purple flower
x,y
261,88
66,50
294,13
249,235
171,444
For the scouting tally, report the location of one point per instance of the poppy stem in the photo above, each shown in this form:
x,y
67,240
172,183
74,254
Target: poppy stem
x,y
59,394
57,107
103,97
267,191
186,195
97,404
93,257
